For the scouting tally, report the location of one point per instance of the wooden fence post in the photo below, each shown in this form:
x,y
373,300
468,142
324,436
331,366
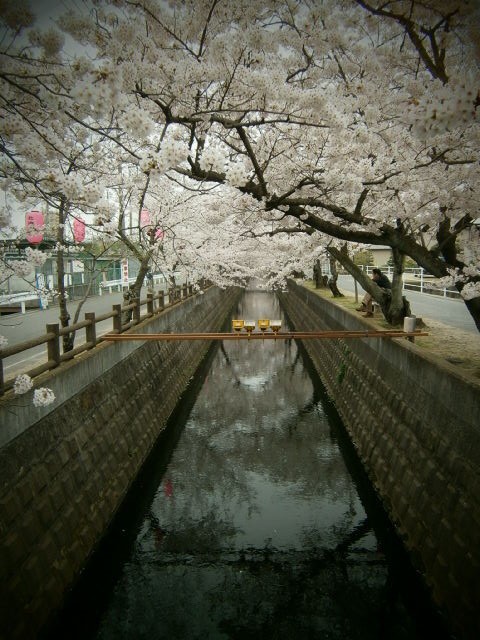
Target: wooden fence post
x,y
53,345
150,304
117,318
91,329
2,379
136,310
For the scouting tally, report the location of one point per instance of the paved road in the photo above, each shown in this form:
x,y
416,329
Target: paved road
x,y
450,311
19,327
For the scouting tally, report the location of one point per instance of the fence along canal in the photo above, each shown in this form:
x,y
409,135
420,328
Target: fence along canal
x,y
251,519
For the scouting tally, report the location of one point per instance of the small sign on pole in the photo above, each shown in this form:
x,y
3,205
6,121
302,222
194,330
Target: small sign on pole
x,y
125,271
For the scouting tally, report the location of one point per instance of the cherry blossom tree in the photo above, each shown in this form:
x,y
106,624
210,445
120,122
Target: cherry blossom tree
x,y
344,119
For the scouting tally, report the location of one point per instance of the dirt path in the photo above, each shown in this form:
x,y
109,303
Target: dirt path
x,y
457,347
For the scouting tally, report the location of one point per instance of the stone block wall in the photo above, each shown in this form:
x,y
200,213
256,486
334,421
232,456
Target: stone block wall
x,y
63,478
415,423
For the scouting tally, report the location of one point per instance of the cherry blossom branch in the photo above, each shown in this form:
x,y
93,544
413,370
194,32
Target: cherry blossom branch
x,y
103,133
435,65
302,70
253,159
204,32
339,212
172,34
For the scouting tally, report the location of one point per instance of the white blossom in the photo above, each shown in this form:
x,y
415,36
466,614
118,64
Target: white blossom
x,y
21,268
36,257
109,227
471,290
43,397
213,158
22,384
236,174
137,122
147,162
72,186
51,41
92,194
174,151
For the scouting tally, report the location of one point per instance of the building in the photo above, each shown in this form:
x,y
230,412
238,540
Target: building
x,y
82,270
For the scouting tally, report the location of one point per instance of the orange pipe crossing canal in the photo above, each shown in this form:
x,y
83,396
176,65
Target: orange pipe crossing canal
x,y
251,335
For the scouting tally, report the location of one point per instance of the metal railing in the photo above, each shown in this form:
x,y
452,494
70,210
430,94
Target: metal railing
x,y
157,279
123,318
16,301
19,299
417,279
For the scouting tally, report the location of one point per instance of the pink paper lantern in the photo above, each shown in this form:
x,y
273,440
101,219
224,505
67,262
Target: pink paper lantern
x,y
159,234
144,218
34,226
79,230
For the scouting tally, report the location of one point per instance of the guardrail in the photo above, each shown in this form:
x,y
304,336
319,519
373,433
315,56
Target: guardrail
x,y
13,299
417,279
15,302
123,317
121,283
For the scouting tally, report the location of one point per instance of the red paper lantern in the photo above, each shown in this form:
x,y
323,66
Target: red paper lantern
x,y
144,218
79,230
34,226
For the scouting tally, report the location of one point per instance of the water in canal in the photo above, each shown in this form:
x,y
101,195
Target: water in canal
x,y
252,519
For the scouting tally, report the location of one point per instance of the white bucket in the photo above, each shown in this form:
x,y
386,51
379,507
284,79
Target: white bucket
x,y
409,324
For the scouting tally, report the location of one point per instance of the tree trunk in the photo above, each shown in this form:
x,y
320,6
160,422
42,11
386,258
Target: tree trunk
x,y
317,274
446,240
144,268
473,305
134,290
78,309
394,306
332,283
68,339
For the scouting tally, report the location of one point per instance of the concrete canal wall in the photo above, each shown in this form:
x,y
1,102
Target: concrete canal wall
x,y
63,476
415,423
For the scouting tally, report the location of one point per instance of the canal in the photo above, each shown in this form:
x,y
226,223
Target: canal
x,y
251,519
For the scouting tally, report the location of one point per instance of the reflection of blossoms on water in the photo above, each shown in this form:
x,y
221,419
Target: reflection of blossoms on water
x,y
255,381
